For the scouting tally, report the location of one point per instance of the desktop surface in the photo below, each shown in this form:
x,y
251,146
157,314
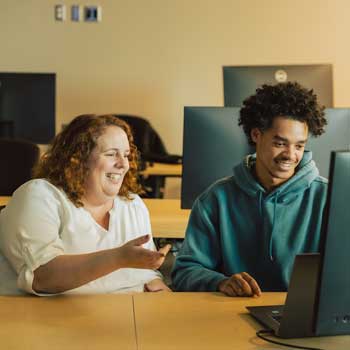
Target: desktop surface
x,y
208,321
168,220
94,322
141,321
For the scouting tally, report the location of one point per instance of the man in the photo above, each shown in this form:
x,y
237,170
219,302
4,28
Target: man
x,y
245,230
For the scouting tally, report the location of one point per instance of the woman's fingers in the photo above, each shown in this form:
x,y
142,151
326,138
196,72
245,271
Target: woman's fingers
x,y
165,250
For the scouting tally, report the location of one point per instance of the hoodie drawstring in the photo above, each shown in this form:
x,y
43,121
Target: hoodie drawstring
x,y
273,227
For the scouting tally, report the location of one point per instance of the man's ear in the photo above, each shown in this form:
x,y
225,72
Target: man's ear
x,y
255,134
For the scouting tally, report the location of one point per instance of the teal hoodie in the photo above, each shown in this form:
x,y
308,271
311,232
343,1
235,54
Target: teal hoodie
x,y
235,226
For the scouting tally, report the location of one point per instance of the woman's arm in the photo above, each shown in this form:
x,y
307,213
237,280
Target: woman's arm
x,y
67,272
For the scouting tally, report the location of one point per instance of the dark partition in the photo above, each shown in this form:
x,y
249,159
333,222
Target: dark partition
x,y
213,143
27,106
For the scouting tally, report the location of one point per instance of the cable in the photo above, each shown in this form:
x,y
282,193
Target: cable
x,y
269,331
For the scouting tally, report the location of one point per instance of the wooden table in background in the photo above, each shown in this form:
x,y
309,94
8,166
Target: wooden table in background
x,y
168,220
161,169
4,200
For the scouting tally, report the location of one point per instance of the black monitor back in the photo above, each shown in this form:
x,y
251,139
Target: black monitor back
x,y
242,81
27,106
337,136
334,291
213,144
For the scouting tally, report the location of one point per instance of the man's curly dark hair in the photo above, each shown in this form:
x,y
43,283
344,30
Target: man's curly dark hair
x,y
284,99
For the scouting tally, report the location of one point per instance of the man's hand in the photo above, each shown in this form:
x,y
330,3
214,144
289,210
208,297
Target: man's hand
x,y
156,285
240,285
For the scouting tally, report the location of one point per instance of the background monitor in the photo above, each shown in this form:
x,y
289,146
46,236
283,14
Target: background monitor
x,y
337,136
27,106
242,81
213,144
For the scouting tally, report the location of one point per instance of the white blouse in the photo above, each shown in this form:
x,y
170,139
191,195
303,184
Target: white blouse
x,y
40,223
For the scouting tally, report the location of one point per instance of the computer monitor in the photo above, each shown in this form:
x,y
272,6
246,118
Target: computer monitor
x,y
337,136
333,312
27,106
242,81
213,144
318,300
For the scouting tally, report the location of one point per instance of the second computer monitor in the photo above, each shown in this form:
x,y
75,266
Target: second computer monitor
x,y
212,144
337,136
242,81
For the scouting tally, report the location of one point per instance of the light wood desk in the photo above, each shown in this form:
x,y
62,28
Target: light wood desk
x,y
101,322
168,220
161,169
208,321
145,321
4,200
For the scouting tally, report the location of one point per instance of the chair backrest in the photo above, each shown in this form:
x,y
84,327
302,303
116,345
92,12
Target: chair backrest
x,y
148,141
17,158
146,138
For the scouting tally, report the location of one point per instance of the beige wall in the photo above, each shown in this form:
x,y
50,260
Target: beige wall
x,y
152,57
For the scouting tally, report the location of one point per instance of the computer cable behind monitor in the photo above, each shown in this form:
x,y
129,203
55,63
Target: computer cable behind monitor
x,y
260,334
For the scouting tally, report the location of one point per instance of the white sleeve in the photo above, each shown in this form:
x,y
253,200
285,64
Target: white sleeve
x,y
29,235
146,222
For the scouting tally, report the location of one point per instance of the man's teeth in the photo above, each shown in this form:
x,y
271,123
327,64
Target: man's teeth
x,y
284,162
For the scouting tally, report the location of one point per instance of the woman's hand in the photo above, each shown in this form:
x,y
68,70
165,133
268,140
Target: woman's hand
x,y
156,285
133,255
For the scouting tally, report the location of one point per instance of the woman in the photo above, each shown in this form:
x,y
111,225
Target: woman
x,y
80,226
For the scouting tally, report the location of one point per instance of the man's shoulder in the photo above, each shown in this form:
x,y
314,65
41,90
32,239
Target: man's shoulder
x,y
320,182
220,184
321,179
318,189
221,188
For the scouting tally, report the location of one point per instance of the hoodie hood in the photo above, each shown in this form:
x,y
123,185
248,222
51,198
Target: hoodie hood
x,y
305,174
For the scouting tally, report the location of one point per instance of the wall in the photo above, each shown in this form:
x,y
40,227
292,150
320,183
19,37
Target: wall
x,y
153,57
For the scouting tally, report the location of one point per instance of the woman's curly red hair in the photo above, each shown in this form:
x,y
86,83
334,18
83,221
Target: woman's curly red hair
x,y
65,162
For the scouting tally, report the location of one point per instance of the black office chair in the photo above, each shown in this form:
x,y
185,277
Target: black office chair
x,y
148,141
17,158
152,149
7,128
